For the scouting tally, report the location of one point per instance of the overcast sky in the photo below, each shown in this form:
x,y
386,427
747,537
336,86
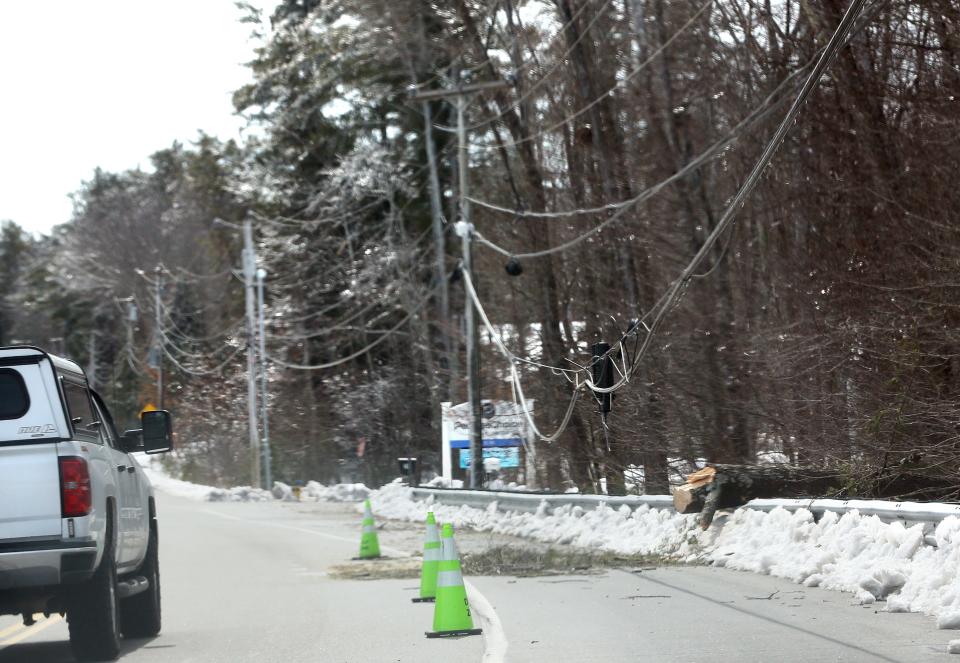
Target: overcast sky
x,y
87,83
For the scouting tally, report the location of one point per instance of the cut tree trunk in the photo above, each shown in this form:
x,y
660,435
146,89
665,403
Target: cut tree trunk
x,y
730,486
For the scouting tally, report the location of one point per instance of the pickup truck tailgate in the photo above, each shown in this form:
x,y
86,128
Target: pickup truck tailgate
x,y
29,491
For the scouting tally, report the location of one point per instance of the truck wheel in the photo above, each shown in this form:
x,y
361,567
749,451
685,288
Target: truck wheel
x,y
93,612
140,614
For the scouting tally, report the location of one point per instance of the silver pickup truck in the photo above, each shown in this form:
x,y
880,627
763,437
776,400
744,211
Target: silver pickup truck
x,y
78,520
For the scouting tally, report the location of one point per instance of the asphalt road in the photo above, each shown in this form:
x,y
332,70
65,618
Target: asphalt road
x,y
259,583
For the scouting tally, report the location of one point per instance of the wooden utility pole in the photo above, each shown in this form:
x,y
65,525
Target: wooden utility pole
x,y
465,230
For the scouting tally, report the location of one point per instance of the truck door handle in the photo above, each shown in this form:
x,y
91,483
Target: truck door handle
x,y
131,469
121,468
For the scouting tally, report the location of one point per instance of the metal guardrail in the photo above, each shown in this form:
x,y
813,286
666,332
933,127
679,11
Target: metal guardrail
x,y
530,502
906,512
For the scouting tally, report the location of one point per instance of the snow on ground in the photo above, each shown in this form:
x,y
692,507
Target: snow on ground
x,y
313,491
853,553
643,531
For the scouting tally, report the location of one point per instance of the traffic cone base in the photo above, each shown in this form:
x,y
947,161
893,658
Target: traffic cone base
x,y
451,634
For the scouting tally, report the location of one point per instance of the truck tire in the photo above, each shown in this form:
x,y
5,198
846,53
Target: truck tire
x,y
93,611
140,614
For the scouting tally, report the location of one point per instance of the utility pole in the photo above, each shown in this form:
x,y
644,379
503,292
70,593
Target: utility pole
x,y
439,247
158,335
249,272
465,230
265,448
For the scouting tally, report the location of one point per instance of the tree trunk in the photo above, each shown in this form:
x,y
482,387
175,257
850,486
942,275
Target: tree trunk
x,y
730,486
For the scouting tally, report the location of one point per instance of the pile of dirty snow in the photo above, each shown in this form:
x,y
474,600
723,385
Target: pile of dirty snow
x,y
339,492
317,492
239,494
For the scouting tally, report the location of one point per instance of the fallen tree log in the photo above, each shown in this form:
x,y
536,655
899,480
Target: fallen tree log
x,y
730,486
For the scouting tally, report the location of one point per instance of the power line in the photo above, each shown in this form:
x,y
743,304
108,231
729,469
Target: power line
x,y
622,207
620,82
514,373
767,106
543,79
201,372
679,285
359,353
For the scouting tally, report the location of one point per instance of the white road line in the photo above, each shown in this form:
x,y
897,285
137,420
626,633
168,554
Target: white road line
x,y
30,631
494,637
386,549
11,630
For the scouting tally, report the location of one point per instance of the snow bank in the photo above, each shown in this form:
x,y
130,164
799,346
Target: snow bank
x,y
854,553
239,494
342,492
643,531
195,491
339,492
317,492
167,484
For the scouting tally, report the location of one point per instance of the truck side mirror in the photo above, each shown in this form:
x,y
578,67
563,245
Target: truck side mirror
x,y
157,431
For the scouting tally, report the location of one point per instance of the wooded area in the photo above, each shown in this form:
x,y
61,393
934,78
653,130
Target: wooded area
x,y
822,332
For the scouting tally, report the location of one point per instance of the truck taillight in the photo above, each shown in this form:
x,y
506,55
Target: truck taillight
x,y
74,487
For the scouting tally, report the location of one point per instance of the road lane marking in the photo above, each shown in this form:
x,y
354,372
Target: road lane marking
x,y
31,631
10,630
387,549
494,637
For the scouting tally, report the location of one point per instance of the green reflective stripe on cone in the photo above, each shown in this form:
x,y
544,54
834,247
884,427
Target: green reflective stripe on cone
x,y
451,614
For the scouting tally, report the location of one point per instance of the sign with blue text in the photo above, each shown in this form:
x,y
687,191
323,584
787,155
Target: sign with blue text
x,y
508,456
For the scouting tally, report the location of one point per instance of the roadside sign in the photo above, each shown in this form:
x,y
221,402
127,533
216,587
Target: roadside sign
x,y
505,431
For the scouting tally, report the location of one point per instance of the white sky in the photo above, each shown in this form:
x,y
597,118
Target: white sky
x,y
87,83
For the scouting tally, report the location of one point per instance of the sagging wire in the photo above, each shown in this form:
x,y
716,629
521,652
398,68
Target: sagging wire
x,y
677,289
359,353
770,103
620,81
515,374
543,79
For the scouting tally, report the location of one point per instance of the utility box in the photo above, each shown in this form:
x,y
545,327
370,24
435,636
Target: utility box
x,y
408,470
